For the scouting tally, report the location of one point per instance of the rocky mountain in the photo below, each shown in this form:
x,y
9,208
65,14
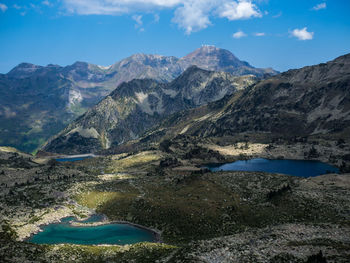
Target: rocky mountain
x,y
37,102
313,100
216,59
138,105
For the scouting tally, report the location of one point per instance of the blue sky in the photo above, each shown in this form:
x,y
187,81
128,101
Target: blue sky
x,y
266,33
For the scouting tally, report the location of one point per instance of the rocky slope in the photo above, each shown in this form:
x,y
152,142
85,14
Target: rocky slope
x,y
138,105
313,100
37,102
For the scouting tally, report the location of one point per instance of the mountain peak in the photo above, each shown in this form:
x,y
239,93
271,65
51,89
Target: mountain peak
x,y
23,70
214,58
208,48
79,64
218,59
212,51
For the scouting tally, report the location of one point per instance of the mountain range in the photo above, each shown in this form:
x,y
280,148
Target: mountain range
x,y
139,105
37,102
311,101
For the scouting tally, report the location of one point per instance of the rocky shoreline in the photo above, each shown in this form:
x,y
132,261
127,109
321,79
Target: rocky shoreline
x,y
27,231
274,151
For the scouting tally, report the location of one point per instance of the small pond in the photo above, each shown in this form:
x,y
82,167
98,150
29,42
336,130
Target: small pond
x,y
299,168
117,234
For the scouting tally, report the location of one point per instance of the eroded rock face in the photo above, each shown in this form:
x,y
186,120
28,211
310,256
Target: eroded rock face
x,y
138,105
37,102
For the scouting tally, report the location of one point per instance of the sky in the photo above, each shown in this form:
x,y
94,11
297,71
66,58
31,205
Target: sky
x,y
266,33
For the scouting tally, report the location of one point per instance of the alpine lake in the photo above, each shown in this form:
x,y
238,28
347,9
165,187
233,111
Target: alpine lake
x,y
66,232
109,234
300,168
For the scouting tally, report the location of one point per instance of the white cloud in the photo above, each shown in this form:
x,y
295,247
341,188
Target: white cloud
x,y
3,7
303,34
320,6
193,16
239,34
16,6
138,19
243,9
46,2
156,18
190,15
278,15
259,34
139,22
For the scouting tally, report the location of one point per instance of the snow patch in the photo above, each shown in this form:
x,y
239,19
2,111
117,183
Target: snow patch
x,y
104,67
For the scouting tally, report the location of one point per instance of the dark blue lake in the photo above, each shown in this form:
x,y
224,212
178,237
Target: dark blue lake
x,y
299,168
118,234
73,159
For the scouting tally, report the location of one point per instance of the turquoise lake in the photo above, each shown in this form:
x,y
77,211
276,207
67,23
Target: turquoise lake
x,y
299,168
117,234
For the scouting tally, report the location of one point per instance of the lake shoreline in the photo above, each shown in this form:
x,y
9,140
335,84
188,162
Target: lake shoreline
x,y
155,233
300,168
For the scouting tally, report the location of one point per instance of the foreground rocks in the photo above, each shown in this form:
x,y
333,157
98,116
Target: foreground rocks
x,y
202,216
282,243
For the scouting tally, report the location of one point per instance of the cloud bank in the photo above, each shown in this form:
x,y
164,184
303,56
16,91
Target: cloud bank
x,y
189,15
